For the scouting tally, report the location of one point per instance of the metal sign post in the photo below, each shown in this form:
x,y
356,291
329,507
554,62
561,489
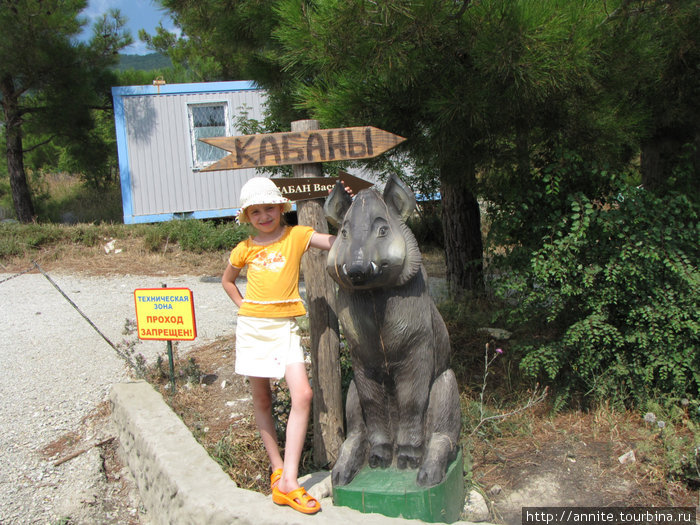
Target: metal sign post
x,y
171,365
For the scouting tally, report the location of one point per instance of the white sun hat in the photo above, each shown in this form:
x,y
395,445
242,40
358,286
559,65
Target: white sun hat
x,y
261,190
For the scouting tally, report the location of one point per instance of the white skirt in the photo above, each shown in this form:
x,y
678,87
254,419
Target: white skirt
x,y
264,346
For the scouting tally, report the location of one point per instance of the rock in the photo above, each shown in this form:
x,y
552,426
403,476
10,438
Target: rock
x,y
627,457
476,509
109,246
318,484
495,490
208,379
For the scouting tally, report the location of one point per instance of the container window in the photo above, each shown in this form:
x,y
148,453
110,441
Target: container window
x,y
207,120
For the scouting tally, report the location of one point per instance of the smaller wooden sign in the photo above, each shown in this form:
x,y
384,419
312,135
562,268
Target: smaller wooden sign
x,y
165,314
304,188
302,147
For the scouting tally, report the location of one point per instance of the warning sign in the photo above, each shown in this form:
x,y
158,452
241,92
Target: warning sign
x,y
165,314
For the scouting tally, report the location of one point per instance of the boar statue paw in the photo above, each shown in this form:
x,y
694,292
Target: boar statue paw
x,y
440,452
343,474
353,454
380,456
408,456
430,474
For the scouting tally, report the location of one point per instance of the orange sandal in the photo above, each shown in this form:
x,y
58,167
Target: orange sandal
x,y
275,478
298,499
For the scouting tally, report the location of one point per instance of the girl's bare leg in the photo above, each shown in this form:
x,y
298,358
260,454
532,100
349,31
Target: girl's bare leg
x,y
262,407
301,394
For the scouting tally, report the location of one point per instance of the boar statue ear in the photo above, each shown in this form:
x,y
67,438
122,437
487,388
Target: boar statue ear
x,y
337,204
400,197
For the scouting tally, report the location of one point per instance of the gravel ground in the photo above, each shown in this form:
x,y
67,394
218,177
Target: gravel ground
x,y
55,376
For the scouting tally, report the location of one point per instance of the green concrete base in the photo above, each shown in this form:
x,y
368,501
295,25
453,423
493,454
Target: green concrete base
x,y
393,492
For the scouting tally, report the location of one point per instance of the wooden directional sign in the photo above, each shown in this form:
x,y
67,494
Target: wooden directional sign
x,y
302,147
303,188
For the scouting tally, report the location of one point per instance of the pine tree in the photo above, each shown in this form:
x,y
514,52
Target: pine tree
x,y
49,82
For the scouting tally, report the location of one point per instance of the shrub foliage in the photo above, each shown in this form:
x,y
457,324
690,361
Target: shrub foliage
x,y
617,287
195,235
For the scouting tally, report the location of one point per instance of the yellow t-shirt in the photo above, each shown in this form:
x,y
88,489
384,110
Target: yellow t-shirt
x,y
273,273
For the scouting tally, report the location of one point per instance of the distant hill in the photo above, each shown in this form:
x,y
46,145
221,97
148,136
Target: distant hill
x,y
143,62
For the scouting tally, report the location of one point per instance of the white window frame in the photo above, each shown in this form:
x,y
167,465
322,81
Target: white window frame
x,y
196,145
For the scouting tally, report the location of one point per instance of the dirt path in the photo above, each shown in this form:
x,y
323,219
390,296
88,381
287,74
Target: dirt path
x,y
56,375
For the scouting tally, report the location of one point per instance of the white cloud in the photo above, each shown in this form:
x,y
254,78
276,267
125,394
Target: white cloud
x,y
95,9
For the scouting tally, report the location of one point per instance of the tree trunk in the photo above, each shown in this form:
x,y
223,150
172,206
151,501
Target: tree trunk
x,y
461,220
657,160
323,323
21,196
522,150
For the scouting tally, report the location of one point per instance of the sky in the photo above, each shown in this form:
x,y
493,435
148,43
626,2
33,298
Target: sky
x,y
140,14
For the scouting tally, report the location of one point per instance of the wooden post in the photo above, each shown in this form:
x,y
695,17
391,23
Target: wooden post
x,y
323,323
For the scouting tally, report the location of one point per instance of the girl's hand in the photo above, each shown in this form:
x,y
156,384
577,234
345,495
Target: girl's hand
x,y
347,188
228,281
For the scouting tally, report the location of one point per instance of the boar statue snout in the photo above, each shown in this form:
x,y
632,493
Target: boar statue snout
x,y
359,274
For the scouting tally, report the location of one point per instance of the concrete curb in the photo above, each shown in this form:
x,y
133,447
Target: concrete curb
x,y
180,483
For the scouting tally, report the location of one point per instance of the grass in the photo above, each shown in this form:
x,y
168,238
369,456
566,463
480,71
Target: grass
x,y
191,235
107,248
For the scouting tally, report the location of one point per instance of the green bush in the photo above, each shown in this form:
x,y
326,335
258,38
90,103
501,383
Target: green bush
x,y
87,235
193,235
520,213
153,237
9,245
16,239
613,298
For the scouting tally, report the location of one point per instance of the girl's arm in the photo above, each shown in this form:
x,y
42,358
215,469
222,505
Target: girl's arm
x,y
228,281
322,241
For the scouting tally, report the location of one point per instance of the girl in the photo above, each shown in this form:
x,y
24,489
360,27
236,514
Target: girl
x,y
267,335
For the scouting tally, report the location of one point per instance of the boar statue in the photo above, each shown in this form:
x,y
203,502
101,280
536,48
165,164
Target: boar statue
x,y
402,407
